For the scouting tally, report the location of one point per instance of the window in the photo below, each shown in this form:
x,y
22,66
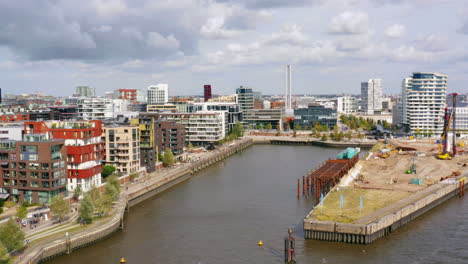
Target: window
x,y
45,176
45,166
33,166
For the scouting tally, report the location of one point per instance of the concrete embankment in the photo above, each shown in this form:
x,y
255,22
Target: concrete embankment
x,y
281,140
385,220
129,198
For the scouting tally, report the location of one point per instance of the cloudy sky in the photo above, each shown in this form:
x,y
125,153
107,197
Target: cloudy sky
x,y
51,46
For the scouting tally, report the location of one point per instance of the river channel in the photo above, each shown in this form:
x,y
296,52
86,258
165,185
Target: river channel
x,y
220,214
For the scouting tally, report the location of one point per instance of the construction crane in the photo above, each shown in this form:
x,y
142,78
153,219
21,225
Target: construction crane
x,y
449,117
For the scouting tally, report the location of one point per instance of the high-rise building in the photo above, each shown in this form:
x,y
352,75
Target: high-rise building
x,y
85,91
158,94
84,149
33,169
424,101
207,92
371,96
245,98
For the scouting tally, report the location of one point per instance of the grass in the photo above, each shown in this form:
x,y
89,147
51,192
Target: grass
x,y
372,201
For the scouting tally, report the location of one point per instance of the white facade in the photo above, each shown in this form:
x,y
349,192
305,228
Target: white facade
x,y
158,94
424,101
461,118
11,132
101,108
201,127
346,104
371,96
266,104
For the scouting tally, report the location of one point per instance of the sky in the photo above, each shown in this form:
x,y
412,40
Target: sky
x,y
52,46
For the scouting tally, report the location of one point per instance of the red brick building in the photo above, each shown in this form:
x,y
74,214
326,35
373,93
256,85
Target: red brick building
x,y
33,169
84,149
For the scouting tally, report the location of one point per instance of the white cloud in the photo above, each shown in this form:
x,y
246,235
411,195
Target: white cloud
x,y
395,31
215,28
350,23
103,28
109,7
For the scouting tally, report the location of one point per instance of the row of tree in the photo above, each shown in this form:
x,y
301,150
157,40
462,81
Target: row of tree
x,y
236,132
355,122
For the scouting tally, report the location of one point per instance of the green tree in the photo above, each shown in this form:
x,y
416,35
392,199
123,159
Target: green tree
x,y
22,212
430,133
11,235
269,126
259,126
107,170
326,128
104,203
59,207
111,191
94,194
324,137
349,135
86,209
298,127
417,132
3,253
238,130
114,181
168,158
77,192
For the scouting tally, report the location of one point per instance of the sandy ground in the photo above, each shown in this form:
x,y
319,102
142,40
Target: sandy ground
x,y
385,181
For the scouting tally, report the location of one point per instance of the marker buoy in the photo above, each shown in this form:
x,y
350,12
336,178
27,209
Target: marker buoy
x,y
123,260
260,243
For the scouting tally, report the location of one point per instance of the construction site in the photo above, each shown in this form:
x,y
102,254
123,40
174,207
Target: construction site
x,y
393,183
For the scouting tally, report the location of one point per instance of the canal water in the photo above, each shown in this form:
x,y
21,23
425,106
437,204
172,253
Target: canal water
x,y
220,214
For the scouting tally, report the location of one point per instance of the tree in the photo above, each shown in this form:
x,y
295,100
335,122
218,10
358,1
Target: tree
x,y
22,212
417,132
269,126
110,191
134,175
294,133
349,135
77,192
114,181
107,170
168,158
86,209
324,137
238,130
11,235
3,253
59,207
94,193
298,127
259,126
104,203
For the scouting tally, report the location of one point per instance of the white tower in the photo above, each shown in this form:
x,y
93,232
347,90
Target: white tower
x,y
288,95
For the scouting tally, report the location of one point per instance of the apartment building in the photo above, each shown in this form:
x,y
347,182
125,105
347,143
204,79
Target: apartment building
x,y
371,96
84,149
424,101
122,145
11,131
346,105
147,137
33,169
170,135
234,114
85,91
308,117
202,127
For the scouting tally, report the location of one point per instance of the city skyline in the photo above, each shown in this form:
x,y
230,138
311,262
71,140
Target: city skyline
x,y
113,45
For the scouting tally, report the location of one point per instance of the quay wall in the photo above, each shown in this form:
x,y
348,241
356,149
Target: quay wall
x,y
365,230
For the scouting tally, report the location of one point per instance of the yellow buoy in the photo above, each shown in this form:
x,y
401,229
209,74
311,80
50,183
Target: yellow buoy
x,y
123,260
260,243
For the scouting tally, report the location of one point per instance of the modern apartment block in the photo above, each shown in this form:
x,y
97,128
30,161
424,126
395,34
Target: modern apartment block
x,y
424,101
461,117
158,94
170,135
346,104
33,169
245,98
148,148
95,108
11,131
85,91
234,114
84,148
122,147
308,117
201,127
371,96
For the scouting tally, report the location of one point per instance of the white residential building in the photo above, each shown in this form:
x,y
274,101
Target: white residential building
x,y
461,118
424,101
346,105
158,94
100,108
371,96
201,127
